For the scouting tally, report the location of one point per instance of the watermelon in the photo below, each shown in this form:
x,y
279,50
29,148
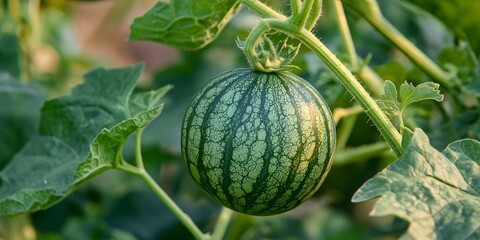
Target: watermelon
x,y
258,143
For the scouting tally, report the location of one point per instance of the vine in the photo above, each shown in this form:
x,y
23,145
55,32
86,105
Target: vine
x,y
271,46
386,128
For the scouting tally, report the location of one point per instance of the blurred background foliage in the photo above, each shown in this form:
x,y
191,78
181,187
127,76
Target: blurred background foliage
x,y
47,45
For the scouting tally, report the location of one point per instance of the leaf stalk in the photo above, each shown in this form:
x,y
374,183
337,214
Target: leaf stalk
x,y
140,171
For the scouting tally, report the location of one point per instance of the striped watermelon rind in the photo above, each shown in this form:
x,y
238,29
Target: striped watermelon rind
x,y
258,143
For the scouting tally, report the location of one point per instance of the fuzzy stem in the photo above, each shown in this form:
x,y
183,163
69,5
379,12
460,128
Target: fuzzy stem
x,y
360,153
140,171
295,5
181,215
339,14
263,10
411,51
345,130
373,81
365,73
138,149
300,20
386,128
374,16
315,13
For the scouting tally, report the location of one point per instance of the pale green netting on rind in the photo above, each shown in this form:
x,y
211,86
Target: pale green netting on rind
x,y
265,140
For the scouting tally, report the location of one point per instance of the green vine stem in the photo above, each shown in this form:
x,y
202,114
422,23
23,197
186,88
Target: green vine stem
x,y
222,224
386,128
339,113
263,10
373,15
181,215
138,148
365,73
299,20
295,6
139,170
344,130
240,224
360,153
373,81
315,13
339,14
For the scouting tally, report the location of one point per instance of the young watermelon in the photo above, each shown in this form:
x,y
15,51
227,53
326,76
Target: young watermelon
x,y
258,143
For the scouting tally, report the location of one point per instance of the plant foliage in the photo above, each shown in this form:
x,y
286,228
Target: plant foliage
x,y
435,191
80,136
184,24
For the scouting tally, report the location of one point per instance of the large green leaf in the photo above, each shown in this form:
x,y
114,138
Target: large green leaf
x,y
186,24
80,136
19,114
437,192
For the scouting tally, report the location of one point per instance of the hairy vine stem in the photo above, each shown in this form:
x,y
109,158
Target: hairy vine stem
x,y
386,128
295,6
139,170
370,78
370,11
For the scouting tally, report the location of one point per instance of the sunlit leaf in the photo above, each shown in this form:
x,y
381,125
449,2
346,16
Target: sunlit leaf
x,y
80,136
186,24
437,192
393,102
424,91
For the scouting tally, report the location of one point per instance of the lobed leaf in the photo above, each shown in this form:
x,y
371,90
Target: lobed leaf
x,y
389,102
186,24
424,91
145,100
435,191
80,136
393,102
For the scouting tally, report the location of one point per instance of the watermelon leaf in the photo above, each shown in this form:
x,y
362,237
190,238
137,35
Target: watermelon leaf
x,y
20,119
186,24
80,136
393,102
435,191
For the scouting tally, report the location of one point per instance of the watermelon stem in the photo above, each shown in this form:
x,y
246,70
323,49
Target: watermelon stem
x,y
369,77
139,170
138,149
381,121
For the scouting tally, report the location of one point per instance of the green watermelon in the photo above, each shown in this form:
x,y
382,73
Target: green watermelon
x,y
258,143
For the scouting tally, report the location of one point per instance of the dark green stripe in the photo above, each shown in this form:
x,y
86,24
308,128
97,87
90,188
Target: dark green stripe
x,y
286,83
260,181
295,193
298,85
230,136
328,126
232,76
